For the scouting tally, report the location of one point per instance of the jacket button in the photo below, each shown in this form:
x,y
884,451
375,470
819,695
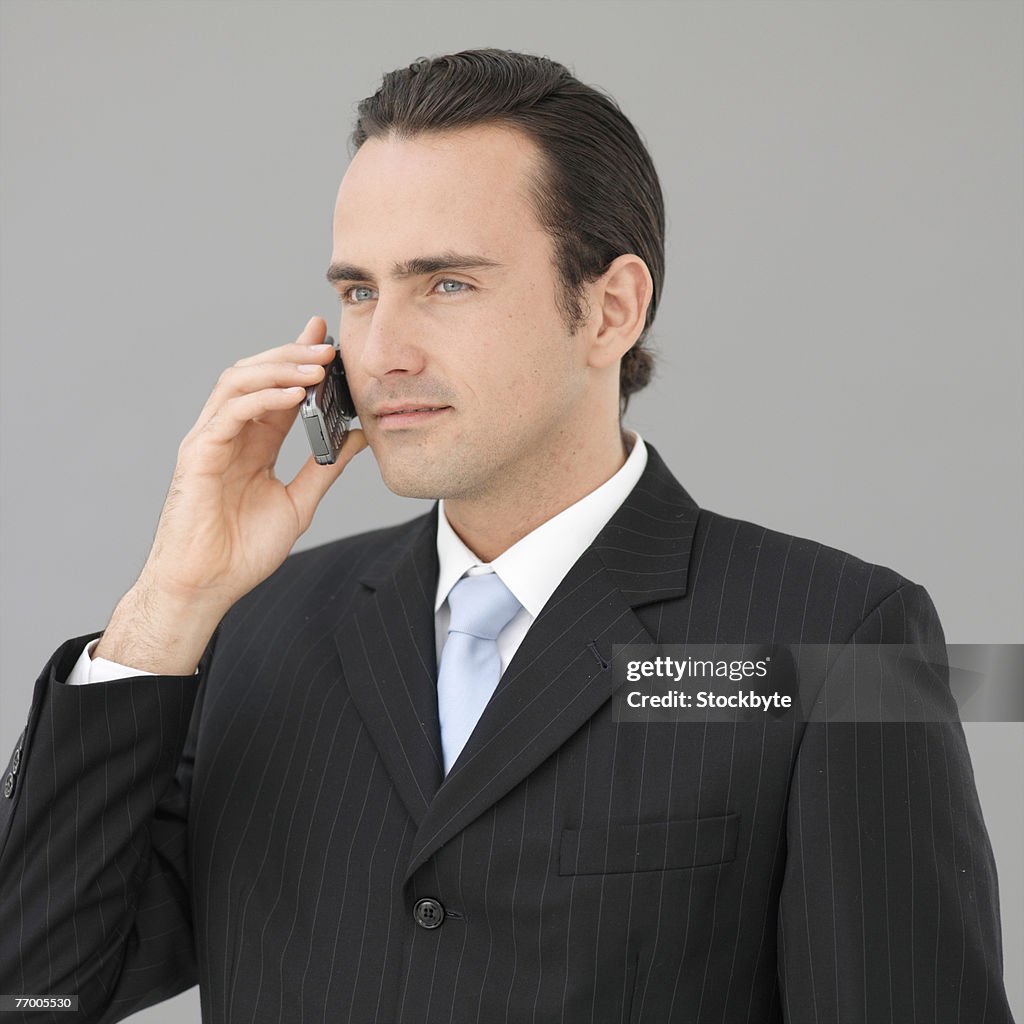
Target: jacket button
x,y
9,785
428,913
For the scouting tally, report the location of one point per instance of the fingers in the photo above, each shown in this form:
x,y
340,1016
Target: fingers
x,y
313,481
274,368
297,352
243,380
234,413
312,334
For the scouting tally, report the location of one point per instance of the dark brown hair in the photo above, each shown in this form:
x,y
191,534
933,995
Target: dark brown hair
x,y
598,196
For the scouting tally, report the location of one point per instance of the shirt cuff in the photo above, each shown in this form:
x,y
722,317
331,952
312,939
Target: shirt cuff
x,y
99,670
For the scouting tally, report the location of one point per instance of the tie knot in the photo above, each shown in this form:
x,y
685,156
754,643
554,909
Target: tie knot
x,y
481,606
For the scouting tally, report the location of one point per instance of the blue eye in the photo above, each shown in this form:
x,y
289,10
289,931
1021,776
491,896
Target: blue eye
x,y
461,287
353,294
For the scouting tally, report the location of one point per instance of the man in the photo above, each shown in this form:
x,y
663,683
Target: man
x,y
397,789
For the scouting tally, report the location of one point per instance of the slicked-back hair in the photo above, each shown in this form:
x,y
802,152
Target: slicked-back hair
x,y
597,194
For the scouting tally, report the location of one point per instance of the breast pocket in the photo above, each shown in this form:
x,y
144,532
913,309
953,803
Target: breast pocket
x,y
649,846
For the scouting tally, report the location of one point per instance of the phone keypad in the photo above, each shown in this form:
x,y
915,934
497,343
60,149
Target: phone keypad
x,y
332,414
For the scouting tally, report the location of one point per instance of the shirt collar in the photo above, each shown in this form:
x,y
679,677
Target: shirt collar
x,y
534,566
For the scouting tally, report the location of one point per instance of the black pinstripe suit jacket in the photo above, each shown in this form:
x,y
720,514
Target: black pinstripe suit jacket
x,y
267,831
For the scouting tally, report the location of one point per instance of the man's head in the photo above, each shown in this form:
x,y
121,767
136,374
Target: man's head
x,y
595,190
510,160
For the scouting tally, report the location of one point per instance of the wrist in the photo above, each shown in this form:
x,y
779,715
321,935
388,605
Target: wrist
x,y
158,631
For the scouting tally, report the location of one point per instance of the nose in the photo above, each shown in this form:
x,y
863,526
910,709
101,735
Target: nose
x,y
388,345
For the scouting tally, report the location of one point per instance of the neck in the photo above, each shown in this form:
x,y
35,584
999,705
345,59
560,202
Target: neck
x,y
491,523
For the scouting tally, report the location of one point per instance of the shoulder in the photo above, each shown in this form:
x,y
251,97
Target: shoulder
x,y
784,586
755,548
748,579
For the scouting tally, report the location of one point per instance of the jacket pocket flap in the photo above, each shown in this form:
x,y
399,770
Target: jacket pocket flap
x,y
649,846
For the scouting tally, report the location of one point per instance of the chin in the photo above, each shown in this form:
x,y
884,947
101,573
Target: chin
x,y
421,474
408,487
413,475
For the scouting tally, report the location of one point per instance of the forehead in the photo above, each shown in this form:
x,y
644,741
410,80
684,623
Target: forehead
x,y
437,191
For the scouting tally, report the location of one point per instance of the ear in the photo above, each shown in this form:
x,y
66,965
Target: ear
x,y
618,304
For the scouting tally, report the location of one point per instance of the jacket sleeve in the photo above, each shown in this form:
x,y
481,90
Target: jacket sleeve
x,y
889,908
94,891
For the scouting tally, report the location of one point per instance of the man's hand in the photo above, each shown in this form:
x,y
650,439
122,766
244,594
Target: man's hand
x,y
228,522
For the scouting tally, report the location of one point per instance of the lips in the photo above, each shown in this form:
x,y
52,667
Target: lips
x,y
400,410
408,414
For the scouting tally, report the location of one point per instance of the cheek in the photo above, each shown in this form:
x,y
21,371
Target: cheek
x,y
524,380
516,358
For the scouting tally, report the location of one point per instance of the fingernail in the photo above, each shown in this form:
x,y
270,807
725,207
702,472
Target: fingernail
x,y
307,368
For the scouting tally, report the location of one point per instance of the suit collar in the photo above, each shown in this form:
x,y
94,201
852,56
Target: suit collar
x,y
645,547
651,530
559,677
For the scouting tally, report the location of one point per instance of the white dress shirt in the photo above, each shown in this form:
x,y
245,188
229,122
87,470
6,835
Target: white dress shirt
x,y
532,568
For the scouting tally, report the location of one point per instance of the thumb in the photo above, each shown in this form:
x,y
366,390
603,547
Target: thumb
x,y
313,481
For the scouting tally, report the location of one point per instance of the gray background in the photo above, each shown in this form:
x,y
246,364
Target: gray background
x,y
843,299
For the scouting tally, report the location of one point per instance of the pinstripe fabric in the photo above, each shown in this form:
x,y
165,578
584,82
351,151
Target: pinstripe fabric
x,y
266,831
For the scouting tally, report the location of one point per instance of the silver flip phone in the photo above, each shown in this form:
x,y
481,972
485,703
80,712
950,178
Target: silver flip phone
x,y
327,411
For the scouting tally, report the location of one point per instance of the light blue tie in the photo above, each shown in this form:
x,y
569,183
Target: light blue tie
x,y
481,607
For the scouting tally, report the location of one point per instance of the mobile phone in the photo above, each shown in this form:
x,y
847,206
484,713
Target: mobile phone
x,y
327,410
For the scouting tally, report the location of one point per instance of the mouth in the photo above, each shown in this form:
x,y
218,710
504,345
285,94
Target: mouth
x,y
391,417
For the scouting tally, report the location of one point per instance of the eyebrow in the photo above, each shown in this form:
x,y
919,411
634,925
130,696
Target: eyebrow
x,y
416,267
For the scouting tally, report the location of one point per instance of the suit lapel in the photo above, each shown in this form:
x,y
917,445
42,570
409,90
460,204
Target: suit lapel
x,y
561,674
387,649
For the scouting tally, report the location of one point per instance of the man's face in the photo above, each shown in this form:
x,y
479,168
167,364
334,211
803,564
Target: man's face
x,y
483,349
